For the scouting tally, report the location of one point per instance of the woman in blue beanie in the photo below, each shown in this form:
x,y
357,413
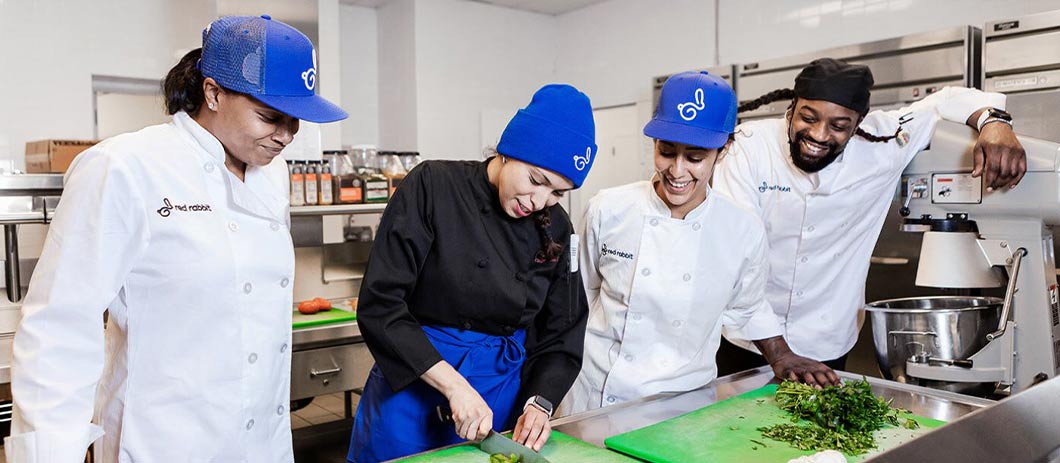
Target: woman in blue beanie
x,y
470,304
668,262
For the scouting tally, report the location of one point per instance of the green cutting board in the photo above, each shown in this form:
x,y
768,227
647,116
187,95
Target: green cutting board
x,y
560,448
723,433
301,320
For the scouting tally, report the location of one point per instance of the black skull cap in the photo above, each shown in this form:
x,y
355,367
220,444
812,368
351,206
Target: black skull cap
x,y
836,81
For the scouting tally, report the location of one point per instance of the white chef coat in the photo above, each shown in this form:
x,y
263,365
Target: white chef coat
x,y
659,291
196,270
823,226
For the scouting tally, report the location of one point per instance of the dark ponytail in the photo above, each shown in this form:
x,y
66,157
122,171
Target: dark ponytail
x,y
550,249
775,95
182,87
789,94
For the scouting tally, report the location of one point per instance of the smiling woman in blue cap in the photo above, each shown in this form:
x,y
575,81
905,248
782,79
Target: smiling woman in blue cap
x,y
469,303
667,263
180,231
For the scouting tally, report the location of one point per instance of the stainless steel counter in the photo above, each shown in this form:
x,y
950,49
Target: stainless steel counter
x,y
314,337
596,425
327,359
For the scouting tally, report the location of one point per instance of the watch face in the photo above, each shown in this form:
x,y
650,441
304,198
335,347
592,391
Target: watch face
x,y
1000,114
543,403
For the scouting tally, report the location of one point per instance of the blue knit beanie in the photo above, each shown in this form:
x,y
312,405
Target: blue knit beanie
x,y
555,131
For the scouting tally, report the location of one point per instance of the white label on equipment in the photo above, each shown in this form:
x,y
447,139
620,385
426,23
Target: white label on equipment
x,y
1013,83
574,241
956,189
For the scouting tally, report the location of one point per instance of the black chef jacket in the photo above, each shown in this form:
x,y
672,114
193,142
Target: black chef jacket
x,y
446,254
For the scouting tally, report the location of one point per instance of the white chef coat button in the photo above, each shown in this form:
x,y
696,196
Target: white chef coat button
x,y
250,424
233,226
283,348
252,358
804,259
810,229
798,293
696,226
284,282
636,316
208,167
279,410
645,272
629,358
611,399
654,222
247,288
677,323
687,277
274,226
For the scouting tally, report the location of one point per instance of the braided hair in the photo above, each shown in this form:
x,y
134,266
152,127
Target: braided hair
x,y
550,249
789,94
776,95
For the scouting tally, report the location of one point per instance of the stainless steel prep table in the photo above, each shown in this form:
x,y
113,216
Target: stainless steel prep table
x,y
596,425
327,359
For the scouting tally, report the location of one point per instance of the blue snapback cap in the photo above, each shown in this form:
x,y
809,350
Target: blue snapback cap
x,y
695,108
268,60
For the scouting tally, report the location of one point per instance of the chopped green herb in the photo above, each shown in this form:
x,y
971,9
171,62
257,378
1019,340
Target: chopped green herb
x,y
910,424
501,458
841,417
759,443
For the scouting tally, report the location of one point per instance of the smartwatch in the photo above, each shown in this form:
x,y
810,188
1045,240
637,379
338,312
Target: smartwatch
x,y
993,115
539,403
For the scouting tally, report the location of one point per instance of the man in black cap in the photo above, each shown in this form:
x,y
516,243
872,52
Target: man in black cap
x,y
822,179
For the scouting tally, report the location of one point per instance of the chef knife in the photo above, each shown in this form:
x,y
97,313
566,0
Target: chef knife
x,y
497,443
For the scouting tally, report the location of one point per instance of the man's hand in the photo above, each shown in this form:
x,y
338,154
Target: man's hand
x,y
789,365
798,368
999,157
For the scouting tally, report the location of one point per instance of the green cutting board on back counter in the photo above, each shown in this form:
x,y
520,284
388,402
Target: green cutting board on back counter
x,y
324,317
560,448
723,433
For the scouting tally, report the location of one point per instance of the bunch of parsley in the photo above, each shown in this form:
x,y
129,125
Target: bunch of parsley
x,y
842,417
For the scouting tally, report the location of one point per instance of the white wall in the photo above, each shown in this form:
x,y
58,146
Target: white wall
x,y
359,49
397,71
50,49
754,30
472,59
612,50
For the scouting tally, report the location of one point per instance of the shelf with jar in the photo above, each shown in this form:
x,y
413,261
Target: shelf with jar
x,y
359,175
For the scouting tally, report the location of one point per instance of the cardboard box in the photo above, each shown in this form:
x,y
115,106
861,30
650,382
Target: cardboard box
x,y
53,156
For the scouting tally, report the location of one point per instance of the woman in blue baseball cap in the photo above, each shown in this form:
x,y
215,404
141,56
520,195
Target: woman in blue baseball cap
x,y
469,303
180,232
667,263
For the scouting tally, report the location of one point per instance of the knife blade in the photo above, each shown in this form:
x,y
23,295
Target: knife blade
x,y
498,443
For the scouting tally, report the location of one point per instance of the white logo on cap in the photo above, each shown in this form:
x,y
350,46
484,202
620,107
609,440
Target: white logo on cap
x,y
581,162
691,109
310,75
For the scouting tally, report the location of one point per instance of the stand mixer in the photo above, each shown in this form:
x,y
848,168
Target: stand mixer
x,y
976,239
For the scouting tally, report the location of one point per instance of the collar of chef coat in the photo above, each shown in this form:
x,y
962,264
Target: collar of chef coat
x,y
257,193
822,182
659,206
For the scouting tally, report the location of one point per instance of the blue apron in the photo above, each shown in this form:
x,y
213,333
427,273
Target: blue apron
x,y
392,424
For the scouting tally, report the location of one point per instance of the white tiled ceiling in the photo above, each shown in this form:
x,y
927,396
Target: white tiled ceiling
x,y
552,7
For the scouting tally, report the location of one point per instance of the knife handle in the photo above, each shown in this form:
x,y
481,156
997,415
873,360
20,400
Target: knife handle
x,y
445,415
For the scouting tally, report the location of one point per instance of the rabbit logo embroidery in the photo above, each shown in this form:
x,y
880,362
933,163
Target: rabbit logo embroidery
x,y
689,110
581,162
